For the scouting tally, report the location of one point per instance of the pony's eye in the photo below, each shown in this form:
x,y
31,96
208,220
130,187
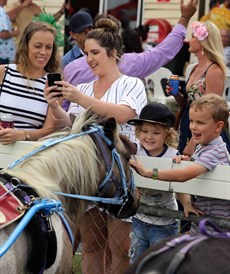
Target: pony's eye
x,y
127,156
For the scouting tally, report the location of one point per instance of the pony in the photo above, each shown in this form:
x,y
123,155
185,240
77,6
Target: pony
x,y
82,165
208,252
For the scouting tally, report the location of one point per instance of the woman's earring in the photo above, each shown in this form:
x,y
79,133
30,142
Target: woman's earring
x,y
202,52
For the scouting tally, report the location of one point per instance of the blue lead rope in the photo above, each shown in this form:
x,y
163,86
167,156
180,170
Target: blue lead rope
x,y
48,206
114,201
51,143
67,226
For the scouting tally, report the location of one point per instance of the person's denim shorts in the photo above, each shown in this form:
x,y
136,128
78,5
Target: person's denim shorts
x,y
144,235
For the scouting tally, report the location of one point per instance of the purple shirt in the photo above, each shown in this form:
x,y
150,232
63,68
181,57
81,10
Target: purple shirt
x,y
210,155
132,64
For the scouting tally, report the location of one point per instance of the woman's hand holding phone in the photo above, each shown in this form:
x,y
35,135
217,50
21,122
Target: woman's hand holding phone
x,y
53,93
66,91
52,78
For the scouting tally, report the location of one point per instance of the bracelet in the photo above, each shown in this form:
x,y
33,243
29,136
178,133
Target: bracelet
x,y
155,174
27,136
186,17
60,119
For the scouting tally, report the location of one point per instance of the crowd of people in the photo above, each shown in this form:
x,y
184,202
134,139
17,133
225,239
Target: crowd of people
x,y
104,71
219,14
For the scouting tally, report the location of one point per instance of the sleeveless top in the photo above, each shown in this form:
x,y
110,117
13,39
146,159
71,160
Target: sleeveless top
x,y
23,98
196,90
198,87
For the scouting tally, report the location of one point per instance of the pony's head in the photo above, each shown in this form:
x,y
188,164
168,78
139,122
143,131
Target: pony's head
x,y
120,182
80,164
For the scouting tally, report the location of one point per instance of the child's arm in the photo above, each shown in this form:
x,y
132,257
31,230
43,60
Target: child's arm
x,y
176,175
190,148
186,202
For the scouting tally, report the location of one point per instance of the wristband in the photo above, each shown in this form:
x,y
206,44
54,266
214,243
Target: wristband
x,y
186,17
155,174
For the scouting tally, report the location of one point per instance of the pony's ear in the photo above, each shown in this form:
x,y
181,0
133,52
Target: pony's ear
x,y
110,128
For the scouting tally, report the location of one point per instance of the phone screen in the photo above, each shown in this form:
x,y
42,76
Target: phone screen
x,y
53,77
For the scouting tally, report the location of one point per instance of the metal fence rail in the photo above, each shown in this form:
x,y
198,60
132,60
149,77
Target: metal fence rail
x,y
164,212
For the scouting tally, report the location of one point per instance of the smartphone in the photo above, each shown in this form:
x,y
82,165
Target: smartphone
x,y
53,77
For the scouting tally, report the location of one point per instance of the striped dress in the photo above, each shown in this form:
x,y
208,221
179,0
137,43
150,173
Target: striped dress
x,y
24,99
125,90
213,154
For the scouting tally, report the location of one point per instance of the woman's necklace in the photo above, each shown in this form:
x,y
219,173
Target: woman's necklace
x,y
29,82
199,71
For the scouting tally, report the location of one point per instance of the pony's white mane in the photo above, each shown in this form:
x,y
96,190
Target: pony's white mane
x,y
71,165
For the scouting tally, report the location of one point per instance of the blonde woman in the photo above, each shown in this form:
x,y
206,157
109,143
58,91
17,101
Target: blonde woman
x,y
207,76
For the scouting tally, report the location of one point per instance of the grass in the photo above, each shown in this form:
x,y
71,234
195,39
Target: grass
x,y
77,263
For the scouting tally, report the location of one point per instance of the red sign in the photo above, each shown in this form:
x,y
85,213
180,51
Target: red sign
x,y
163,0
